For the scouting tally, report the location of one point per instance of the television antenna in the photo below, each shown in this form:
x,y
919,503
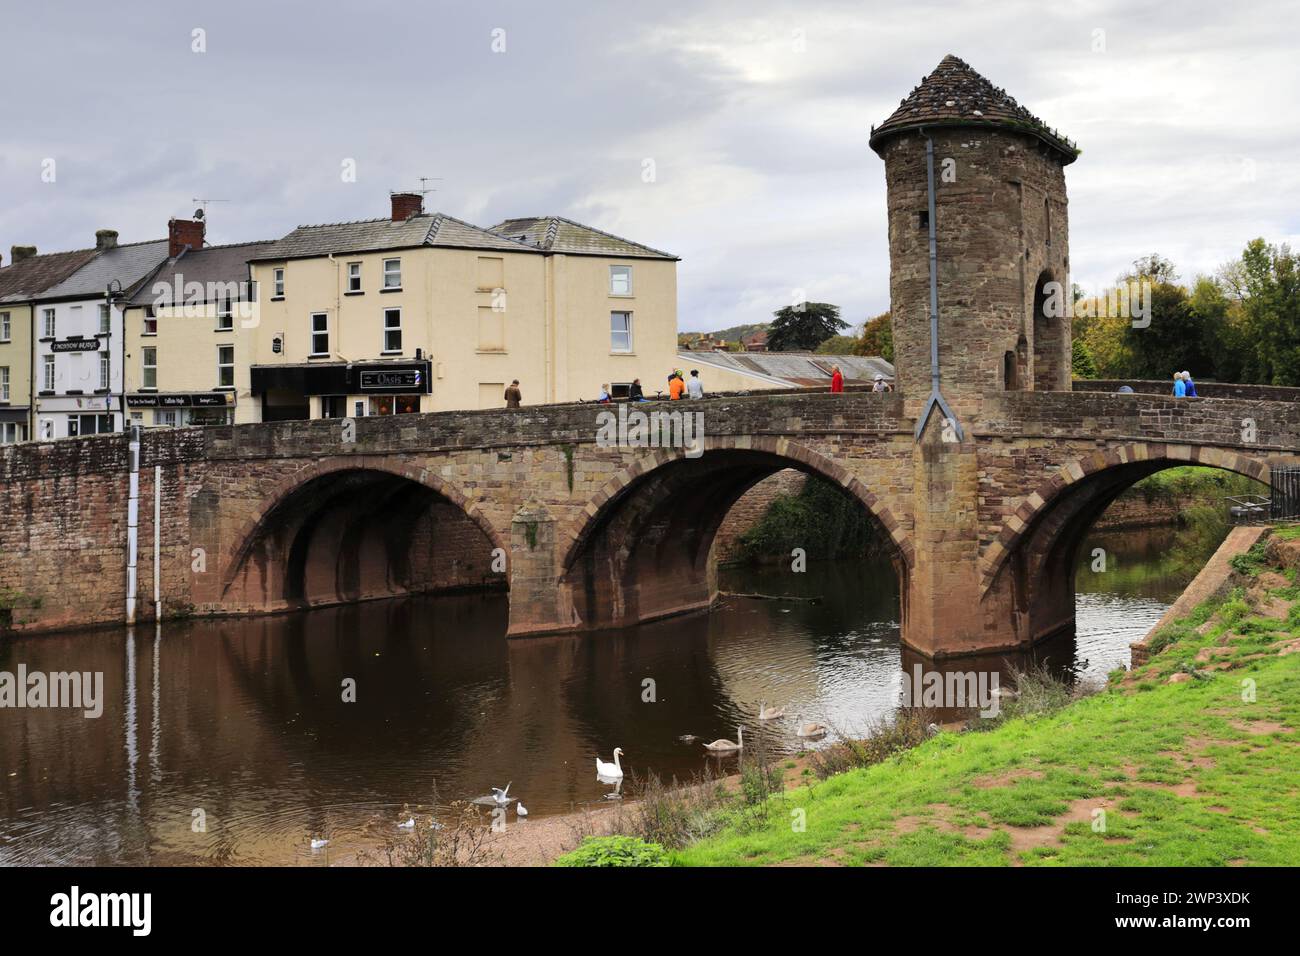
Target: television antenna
x,y
425,188
202,211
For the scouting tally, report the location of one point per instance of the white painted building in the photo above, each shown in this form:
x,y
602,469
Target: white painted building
x,y
78,340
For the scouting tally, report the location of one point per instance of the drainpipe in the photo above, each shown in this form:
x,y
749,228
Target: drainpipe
x,y
132,522
936,396
157,543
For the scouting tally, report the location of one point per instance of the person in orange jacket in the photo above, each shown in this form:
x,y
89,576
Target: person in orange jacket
x,y
676,387
837,379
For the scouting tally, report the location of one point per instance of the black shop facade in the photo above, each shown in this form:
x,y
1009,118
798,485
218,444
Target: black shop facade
x,y
340,389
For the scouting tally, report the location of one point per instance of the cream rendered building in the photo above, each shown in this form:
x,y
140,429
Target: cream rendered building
x,y
190,336
425,312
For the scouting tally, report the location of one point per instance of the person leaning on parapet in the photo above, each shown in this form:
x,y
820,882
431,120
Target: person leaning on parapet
x,y
695,388
676,387
604,394
634,392
1191,386
837,379
513,395
880,385
1180,387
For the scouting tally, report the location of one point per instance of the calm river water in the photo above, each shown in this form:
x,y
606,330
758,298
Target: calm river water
x,y
241,723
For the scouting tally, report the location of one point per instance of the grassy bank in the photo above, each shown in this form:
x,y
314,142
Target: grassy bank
x,y
1193,759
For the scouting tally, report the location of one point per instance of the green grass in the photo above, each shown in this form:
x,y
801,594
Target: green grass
x,y
1187,774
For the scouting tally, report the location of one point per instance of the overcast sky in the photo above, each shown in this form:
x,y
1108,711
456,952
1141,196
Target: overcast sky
x,y
754,114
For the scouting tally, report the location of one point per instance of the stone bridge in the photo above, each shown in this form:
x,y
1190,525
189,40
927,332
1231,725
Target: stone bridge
x,y
983,530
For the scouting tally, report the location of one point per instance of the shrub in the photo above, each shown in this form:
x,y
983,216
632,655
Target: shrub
x,y
615,851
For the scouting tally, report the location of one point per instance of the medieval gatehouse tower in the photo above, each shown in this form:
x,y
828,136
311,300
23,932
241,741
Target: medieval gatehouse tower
x,y
1001,236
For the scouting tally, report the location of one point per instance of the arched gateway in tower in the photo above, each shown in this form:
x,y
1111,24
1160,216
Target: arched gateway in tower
x,y
970,168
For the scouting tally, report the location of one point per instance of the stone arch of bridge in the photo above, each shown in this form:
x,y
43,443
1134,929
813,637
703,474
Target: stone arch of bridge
x,y
359,527
643,549
1032,560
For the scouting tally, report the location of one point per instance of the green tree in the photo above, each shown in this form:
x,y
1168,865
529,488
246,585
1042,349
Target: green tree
x,y
803,327
838,345
1270,306
877,338
1081,361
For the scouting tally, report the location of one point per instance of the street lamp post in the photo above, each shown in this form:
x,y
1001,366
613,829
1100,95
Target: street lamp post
x,y
113,293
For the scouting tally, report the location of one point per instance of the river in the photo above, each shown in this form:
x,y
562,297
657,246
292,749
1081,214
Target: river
x,y
230,741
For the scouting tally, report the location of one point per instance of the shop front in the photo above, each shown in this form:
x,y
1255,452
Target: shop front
x,y
175,409
340,389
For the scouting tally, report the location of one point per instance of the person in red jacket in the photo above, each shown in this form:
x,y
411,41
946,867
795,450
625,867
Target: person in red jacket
x,y
837,379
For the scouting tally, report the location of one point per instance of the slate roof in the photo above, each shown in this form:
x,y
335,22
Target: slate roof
x,y
955,95
557,234
376,235
20,281
210,264
127,264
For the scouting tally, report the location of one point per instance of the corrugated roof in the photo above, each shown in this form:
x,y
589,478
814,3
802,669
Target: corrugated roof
x,y
126,264
376,235
211,264
26,278
557,234
955,95
794,368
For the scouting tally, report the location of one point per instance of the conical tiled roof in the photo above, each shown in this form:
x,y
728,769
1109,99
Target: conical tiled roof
x,y
955,95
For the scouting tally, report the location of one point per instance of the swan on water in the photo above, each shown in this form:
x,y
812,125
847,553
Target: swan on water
x,y
501,796
520,808
722,745
408,825
614,769
809,729
317,844
769,713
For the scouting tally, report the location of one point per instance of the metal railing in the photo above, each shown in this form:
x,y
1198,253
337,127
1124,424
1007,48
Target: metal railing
x,y
1284,504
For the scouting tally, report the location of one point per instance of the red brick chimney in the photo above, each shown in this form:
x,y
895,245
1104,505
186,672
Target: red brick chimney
x,y
406,205
182,233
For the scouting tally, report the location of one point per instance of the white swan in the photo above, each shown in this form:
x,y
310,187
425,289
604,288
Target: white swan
x,y
769,713
809,729
501,796
722,745
408,825
318,844
520,808
614,769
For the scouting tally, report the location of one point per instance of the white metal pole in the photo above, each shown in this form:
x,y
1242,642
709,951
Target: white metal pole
x,y
132,523
157,541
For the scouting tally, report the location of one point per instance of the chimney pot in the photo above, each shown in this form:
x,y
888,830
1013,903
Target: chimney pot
x,y
19,253
182,233
406,205
105,239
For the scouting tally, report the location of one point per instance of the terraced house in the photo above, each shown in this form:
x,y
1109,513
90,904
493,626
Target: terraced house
x,y
27,276
412,312
423,312
79,343
190,335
